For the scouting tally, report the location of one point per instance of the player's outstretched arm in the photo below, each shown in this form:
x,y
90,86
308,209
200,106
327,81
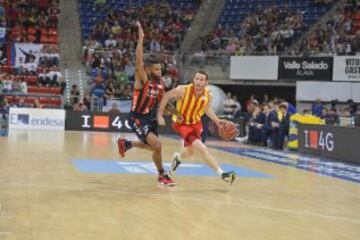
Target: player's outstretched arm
x,y
175,93
210,113
171,108
140,75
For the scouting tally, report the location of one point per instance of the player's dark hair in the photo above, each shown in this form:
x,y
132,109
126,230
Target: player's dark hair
x,y
203,73
151,60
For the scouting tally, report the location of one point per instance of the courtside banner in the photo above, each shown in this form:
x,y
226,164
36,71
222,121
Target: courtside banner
x,y
104,122
335,142
254,68
36,119
298,68
346,68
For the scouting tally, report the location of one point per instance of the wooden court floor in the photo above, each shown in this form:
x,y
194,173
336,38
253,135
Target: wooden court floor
x,y
44,196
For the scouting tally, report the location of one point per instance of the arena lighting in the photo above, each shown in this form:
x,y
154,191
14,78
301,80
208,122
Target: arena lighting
x,y
81,84
67,84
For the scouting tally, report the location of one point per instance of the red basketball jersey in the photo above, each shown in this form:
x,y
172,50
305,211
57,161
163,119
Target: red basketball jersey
x,y
147,98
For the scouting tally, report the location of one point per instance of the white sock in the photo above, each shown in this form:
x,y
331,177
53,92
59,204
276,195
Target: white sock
x,y
178,155
220,172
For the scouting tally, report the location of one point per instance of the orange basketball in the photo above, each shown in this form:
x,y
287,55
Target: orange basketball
x,y
228,131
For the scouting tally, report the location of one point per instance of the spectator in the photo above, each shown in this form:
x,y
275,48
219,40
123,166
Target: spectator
x,y
256,123
236,106
129,69
21,69
283,126
43,79
114,109
317,108
53,76
7,85
291,109
265,99
74,94
167,81
37,104
324,112
80,107
87,100
1,85
267,129
21,103
331,117
352,107
3,58
250,101
16,85
4,108
154,46
30,67
228,104
110,91
110,42
99,90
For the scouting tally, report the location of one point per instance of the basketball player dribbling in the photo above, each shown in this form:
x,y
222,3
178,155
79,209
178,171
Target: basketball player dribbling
x,y
148,91
192,102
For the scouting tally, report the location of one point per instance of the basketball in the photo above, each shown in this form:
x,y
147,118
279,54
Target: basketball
x,y
228,131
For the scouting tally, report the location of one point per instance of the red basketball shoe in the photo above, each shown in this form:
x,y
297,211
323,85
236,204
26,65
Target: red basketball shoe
x,y
121,146
165,180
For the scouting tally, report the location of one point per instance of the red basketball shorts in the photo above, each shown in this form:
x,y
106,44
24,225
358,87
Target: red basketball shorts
x,y
188,132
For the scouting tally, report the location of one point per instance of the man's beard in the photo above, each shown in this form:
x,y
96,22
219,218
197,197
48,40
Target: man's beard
x,y
155,77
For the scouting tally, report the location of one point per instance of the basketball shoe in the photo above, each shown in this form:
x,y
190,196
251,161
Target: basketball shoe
x,y
175,163
123,146
228,176
165,180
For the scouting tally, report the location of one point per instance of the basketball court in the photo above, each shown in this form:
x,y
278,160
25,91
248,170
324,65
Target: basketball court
x,y
73,185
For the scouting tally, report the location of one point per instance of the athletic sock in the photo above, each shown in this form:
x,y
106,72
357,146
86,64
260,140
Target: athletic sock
x,y
128,144
178,155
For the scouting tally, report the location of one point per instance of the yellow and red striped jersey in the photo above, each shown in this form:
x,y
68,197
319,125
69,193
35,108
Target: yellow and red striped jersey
x,y
191,107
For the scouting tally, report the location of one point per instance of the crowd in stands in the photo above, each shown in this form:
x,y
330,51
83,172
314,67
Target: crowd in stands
x,y
259,28
109,50
34,79
268,120
164,27
31,21
332,115
340,35
265,31
232,107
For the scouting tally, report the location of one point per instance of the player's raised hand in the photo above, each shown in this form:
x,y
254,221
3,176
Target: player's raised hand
x,y
140,30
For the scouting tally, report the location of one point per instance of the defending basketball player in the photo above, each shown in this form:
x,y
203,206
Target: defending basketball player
x,y
148,91
193,101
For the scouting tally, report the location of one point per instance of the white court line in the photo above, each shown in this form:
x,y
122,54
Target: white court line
x,y
5,233
242,203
